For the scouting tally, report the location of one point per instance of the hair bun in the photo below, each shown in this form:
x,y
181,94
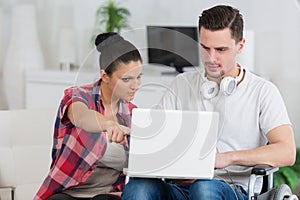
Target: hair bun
x,y
104,40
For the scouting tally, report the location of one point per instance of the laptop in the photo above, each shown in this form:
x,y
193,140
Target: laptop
x,y
173,144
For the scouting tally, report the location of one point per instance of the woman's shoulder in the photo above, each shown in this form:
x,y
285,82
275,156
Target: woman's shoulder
x,y
88,88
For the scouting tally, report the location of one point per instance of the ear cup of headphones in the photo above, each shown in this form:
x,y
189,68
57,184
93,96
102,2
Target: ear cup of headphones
x,y
209,89
228,85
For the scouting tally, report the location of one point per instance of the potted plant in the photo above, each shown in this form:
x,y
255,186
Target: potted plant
x,y
289,175
110,17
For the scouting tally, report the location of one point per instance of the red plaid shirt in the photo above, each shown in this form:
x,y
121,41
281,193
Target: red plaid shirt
x,y
76,153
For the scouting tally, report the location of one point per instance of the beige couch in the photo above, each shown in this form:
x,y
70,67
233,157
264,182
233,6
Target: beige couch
x,y
25,151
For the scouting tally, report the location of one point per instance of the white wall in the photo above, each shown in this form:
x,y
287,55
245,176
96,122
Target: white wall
x,y
276,25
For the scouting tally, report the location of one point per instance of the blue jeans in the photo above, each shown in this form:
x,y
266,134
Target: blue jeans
x,y
156,189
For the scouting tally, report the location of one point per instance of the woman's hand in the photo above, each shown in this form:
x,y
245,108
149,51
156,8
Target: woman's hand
x,y
116,132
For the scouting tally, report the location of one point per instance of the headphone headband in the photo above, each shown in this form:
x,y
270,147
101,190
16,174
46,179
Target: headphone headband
x,y
241,74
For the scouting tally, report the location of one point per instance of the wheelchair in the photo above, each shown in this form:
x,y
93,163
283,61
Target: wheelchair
x,y
268,192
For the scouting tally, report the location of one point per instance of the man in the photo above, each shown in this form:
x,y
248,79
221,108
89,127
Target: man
x,y
251,110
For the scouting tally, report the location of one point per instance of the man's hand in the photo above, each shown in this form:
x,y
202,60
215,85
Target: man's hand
x,y
222,160
183,181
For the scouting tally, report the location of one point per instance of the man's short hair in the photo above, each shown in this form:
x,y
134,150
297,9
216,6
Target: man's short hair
x,y
221,17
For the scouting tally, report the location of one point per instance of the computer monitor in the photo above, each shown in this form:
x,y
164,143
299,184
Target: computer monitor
x,y
174,46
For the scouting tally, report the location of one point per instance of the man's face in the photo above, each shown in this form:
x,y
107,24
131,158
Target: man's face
x,y
218,53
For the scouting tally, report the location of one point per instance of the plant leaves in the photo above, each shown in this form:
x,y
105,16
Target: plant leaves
x,y
110,17
289,174
291,177
279,179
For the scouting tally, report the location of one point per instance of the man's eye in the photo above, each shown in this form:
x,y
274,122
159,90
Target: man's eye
x,y
221,49
205,48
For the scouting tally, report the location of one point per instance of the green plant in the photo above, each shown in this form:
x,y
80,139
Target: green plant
x,y
289,175
110,17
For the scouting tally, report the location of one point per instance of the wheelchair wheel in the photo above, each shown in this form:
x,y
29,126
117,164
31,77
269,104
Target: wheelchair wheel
x,y
284,193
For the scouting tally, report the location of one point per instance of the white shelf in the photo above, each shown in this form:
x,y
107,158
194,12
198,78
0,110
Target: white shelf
x,y
60,77
44,88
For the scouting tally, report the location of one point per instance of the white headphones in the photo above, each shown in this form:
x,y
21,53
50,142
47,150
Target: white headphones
x,y
210,89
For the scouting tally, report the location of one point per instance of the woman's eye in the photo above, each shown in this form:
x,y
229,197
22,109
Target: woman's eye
x,y
125,79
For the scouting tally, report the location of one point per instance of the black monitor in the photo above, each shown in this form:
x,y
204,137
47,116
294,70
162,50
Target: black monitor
x,y
174,46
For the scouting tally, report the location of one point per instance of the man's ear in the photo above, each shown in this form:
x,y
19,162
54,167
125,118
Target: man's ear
x,y
104,76
241,45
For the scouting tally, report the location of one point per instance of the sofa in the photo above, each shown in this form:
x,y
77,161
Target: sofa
x,y
25,151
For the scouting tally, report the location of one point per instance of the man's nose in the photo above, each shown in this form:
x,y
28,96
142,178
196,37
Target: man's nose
x,y
212,55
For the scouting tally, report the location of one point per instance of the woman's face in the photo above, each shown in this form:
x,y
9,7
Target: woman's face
x,y
126,80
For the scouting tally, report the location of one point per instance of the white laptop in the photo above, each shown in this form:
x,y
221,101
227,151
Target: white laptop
x,y
172,144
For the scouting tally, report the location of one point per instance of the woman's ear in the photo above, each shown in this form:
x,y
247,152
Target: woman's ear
x,y
104,76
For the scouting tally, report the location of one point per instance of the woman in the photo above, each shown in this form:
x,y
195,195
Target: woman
x,y
92,126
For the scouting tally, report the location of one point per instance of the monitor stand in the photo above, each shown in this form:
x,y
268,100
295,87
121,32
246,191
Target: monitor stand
x,y
158,70
170,73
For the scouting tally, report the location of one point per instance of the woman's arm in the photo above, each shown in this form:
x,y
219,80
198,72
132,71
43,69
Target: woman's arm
x,y
92,121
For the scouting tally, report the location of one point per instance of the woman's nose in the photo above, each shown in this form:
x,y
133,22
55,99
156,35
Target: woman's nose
x,y
135,84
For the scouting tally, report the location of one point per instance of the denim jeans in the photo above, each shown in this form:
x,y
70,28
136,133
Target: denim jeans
x,y
156,189
62,196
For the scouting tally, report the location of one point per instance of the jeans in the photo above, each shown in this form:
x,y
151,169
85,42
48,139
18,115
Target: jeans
x,y
157,189
62,196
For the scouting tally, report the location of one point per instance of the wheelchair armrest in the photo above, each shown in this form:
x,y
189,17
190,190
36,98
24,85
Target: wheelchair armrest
x,y
263,170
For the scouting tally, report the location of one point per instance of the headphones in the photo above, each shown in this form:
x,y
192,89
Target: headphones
x,y
210,89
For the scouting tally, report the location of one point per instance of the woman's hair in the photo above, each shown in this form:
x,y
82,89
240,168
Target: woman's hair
x,y
221,17
115,50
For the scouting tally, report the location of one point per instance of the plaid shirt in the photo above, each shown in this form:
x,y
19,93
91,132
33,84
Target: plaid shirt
x,y
76,153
